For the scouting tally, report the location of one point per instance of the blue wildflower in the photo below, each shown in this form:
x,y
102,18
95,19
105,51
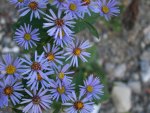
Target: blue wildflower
x,y
38,66
75,50
10,68
62,90
74,8
26,37
79,105
92,87
108,9
18,3
37,102
35,7
58,24
10,90
59,3
62,73
53,54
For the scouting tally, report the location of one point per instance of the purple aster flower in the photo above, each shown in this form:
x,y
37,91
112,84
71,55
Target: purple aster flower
x,y
53,54
79,105
37,102
58,24
89,5
59,3
18,3
75,50
61,90
3,102
38,66
108,9
74,8
10,90
38,82
26,37
61,73
92,87
34,6
10,68
65,40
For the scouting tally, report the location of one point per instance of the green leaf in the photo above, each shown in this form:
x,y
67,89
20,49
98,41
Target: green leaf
x,y
17,110
81,25
92,29
78,79
56,106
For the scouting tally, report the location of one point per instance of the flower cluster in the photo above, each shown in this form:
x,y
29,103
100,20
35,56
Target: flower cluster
x,y
46,76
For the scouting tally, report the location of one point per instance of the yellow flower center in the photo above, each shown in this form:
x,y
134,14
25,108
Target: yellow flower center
x,y
61,0
61,75
73,7
63,34
59,22
86,2
10,69
89,89
8,90
33,5
20,1
50,56
61,90
36,100
78,105
105,9
27,37
77,51
39,77
36,66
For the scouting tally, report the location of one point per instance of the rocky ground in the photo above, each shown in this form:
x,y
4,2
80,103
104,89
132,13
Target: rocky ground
x,y
124,56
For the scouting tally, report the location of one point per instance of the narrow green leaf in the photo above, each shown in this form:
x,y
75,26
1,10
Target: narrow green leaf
x,y
80,23
57,107
17,110
92,29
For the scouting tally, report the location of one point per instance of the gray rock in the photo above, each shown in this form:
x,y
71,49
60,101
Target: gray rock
x,y
6,50
147,35
145,71
135,86
109,67
15,49
121,95
145,66
2,21
119,71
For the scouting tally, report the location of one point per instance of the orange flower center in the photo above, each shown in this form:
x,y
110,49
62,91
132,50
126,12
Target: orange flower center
x,y
36,66
50,56
39,77
8,90
78,105
33,5
86,2
77,51
61,33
